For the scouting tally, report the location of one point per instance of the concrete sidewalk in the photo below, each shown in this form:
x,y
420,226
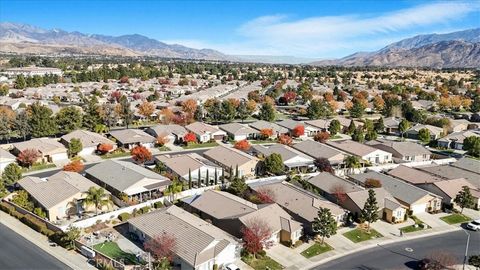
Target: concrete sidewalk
x,y
70,258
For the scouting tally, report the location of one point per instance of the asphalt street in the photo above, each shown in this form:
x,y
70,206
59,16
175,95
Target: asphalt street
x,y
51,172
405,255
18,253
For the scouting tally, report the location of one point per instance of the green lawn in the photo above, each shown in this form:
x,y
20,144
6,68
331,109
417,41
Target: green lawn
x,y
359,235
115,155
37,167
316,249
261,141
412,228
455,218
112,250
262,263
200,145
163,148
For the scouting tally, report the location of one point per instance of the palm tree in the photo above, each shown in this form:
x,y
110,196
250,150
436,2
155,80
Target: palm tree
x,y
352,162
174,188
97,197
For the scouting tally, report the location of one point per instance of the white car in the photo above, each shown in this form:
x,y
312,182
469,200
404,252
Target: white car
x,y
231,266
474,225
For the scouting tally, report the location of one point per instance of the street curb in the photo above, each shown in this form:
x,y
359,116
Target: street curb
x,y
390,241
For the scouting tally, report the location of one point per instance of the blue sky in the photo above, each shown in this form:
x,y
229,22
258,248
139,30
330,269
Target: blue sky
x,y
316,29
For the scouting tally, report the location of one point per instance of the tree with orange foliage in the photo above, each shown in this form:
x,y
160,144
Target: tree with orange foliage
x,y
298,131
162,140
146,109
124,79
190,138
105,148
321,136
328,96
234,101
378,103
28,157
141,154
189,106
166,116
285,139
266,133
74,166
243,145
348,105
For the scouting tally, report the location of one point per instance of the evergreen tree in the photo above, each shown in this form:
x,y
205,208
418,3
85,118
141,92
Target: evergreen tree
x,y
21,126
40,120
242,111
351,128
358,135
11,174
334,127
189,178
379,126
91,117
464,198
369,212
267,112
74,147
20,82
324,224
216,177
68,119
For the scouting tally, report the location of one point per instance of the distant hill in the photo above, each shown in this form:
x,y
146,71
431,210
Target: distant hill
x,y
457,49
23,38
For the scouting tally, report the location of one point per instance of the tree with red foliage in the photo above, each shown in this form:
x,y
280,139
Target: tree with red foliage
x,y
161,246
266,195
285,139
266,133
28,157
115,96
190,138
141,154
339,192
243,145
289,96
265,83
298,131
123,79
321,136
163,81
74,166
105,148
256,236
323,165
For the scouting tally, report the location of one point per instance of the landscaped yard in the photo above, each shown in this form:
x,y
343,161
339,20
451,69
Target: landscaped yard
x,y
359,235
261,141
163,148
415,227
200,145
115,155
112,250
37,167
262,263
455,218
316,249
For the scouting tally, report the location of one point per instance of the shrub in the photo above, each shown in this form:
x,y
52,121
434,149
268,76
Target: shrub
x,y
124,216
144,210
157,205
5,207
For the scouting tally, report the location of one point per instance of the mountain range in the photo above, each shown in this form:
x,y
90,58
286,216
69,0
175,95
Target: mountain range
x,y
456,49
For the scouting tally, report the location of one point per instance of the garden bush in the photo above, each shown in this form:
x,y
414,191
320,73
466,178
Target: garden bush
x,y
124,216
157,205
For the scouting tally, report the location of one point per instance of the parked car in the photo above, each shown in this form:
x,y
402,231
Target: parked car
x,y
231,266
474,225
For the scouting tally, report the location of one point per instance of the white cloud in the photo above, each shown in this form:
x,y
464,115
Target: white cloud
x,y
334,35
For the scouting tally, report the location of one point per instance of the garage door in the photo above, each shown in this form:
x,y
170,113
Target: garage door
x,y
419,208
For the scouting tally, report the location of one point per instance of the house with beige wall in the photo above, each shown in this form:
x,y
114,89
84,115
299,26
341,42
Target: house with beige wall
x,y
231,159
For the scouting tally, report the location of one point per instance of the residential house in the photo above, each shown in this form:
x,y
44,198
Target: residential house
x,y
318,124
468,164
126,178
190,166
129,138
318,150
5,159
90,141
276,129
233,160
231,213
292,124
403,151
455,140
389,209
458,125
452,172
60,195
302,205
199,245
345,122
366,153
173,132
205,132
435,132
391,125
413,176
49,150
238,132
332,187
448,190
411,197
292,158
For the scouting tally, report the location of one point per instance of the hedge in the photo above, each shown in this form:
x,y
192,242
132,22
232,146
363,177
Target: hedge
x,y
158,205
124,216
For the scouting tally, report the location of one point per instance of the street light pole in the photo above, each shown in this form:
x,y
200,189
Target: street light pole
x,y
466,249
